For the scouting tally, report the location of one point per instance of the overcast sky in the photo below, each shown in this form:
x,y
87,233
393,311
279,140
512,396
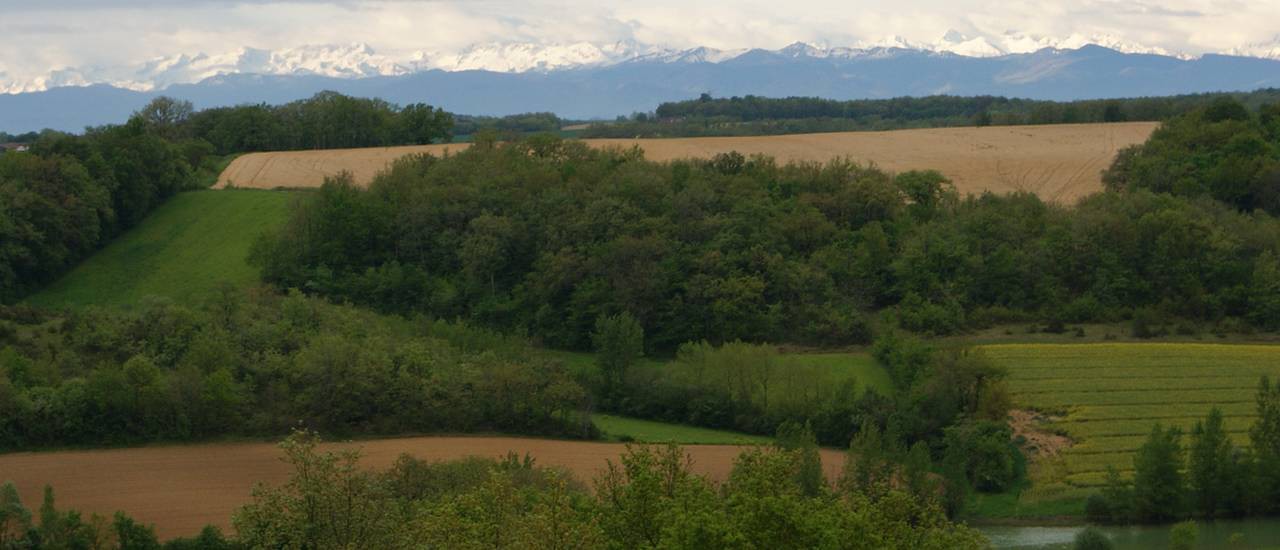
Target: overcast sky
x,y
45,34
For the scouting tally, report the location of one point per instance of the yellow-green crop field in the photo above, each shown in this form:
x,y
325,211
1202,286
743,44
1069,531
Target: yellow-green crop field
x,y
1107,397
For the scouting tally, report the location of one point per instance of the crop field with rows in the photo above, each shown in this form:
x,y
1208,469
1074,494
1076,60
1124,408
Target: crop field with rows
x,y
1107,397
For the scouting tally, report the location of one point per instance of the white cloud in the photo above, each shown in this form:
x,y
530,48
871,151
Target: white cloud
x,y
58,34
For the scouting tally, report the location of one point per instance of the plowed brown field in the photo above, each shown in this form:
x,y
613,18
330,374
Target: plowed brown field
x,y
1060,162
181,489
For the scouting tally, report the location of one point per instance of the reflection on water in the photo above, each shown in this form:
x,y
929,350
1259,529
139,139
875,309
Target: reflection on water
x,y
1227,535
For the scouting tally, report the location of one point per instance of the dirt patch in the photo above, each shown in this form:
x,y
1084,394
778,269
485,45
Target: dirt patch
x,y
1060,163
181,489
1038,443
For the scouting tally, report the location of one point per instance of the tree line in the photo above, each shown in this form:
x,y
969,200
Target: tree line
x,y
70,195
1223,151
944,414
1209,478
545,236
28,137
327,120
526,123
755,115
775,497
257,363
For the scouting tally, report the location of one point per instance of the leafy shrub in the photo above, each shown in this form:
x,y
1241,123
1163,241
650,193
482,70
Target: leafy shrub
x,y
1090,538
985,451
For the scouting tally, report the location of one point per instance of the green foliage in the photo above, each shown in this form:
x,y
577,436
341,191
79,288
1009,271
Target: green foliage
x,y
799,439
927,191
906,358
754,115
619,342
625,429
327,120
253,363
648,499
1158,483
1264,293
869,467
59,529
1264,437
527,123
15,519
545,236
1183,536
752,389
72,194
1209,469
1091,538
1220,150
329,502
166,116
984,450
210,538
131,535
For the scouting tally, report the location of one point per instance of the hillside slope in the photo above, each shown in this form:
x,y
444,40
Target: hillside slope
x,y
184,250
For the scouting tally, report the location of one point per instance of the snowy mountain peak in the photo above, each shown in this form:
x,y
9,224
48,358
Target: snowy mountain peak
x,y
960,44
1265,50
523,57
360,60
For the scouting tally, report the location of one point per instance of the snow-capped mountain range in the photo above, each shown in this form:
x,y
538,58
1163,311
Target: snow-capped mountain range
x,y
358,60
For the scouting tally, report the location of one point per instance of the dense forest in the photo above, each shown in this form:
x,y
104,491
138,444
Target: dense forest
x,y
1222,152
754,115
258,363
546,236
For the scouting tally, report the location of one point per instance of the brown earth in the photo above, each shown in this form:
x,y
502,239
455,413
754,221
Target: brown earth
x,y
181,489
1040,443
1061,163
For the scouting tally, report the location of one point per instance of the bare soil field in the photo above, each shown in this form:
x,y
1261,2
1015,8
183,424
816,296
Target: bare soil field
x,y
1060,163
181,489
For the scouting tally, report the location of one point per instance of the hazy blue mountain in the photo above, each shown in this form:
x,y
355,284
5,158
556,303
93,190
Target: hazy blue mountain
x,y
641,84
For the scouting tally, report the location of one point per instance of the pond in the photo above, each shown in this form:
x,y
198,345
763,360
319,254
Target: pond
x,y
1252,534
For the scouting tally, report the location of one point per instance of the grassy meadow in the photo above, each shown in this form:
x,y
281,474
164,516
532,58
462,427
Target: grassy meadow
x,y
1107,397
185,249
828,368
619,428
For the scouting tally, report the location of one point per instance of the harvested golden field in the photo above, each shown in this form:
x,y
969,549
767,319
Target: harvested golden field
x,y
181,489
1060,163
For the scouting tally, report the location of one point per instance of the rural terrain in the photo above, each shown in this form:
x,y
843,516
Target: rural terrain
x,y
181,489
965,326
1060,163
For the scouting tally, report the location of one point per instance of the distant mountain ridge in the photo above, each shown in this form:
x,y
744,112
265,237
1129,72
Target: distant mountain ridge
x,y
359,60
590,81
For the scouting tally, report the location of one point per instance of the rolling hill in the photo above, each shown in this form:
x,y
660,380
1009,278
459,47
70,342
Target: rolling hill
x,y
182,251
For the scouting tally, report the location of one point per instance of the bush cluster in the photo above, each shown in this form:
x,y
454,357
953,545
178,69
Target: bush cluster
x,y
261,364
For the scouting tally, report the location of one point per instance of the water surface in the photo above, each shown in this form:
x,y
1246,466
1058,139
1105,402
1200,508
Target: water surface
x,y
1253,534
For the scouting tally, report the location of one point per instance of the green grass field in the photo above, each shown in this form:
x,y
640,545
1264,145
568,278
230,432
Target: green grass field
x,y
184,250
618,428
834,368
1107,397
